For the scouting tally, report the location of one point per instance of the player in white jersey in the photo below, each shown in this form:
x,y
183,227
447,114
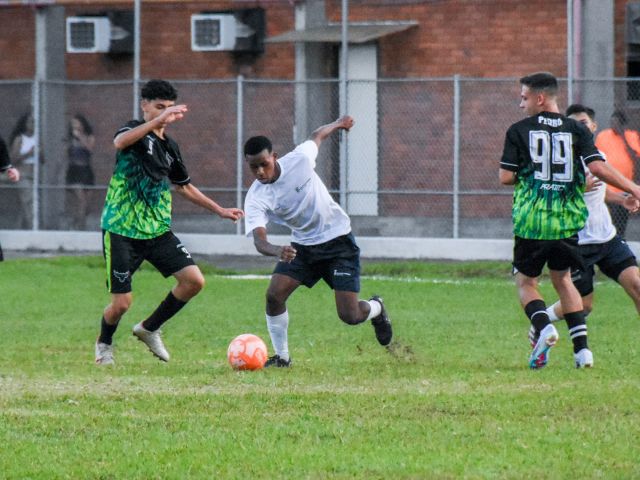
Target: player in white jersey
x,y
289,192
599,243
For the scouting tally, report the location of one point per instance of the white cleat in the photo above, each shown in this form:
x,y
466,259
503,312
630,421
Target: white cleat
x,y
153,340
584,358
540,353
104,354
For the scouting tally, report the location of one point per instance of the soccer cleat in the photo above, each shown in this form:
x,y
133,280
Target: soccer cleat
x,y
547,339
153,340
276,361
533,339
584,358
382,324
104,354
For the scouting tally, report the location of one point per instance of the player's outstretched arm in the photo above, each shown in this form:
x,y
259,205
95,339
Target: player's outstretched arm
x,y
320,133
610,175
285,253
195,196
170,115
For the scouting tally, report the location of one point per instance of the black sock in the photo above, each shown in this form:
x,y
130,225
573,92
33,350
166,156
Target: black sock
x,y
536,310
167,309
1,254
577,330
106,332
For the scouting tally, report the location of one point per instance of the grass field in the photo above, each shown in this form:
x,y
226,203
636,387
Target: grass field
x,y
452,398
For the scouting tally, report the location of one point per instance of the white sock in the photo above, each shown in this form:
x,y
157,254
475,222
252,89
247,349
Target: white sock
x,y
278,326
552,314
375,310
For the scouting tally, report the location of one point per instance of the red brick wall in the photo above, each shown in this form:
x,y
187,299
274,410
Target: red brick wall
x,y
17,49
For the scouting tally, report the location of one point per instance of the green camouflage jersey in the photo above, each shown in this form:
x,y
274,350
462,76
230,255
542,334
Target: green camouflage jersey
x,y
138,203
547,151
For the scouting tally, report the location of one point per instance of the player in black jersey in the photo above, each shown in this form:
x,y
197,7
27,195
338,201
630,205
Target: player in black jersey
x,y
136,219
543,158
5,167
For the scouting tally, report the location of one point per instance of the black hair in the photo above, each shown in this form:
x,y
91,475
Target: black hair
x,y
20,127
541,82
255,145
620,115
158,90
86,126
579,108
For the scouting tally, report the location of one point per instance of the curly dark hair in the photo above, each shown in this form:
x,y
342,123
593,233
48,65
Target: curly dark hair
x,y
255,145
158,90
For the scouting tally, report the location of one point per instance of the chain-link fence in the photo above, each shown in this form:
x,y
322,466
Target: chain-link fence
x,y
421,161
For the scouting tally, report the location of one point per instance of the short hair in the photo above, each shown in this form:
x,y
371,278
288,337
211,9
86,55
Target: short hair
x,y
255,145
541,82
158,90
620,115
579,108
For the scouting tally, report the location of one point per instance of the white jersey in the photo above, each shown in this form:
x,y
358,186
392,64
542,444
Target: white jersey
x,y
27,144
599,227
297,199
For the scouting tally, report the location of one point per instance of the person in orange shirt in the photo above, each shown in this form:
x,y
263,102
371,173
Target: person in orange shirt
x,y
621,146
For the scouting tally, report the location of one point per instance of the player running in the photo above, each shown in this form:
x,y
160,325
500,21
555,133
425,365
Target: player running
x,y
136,219
543,158
289,192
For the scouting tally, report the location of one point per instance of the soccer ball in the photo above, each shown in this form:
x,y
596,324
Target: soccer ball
x,y
247,352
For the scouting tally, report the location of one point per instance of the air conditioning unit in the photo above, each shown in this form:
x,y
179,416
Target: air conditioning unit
x,y
213,32
88,34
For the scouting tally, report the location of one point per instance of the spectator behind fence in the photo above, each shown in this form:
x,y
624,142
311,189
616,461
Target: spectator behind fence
x,y
23,157
6,167
621,146
80,143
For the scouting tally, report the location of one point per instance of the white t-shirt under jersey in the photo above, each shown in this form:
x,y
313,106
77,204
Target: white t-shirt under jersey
x,y
599,227
298,199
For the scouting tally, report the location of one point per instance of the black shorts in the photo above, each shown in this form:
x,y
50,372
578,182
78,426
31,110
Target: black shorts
x,y
123,256
530,256
611,258
80,175
337,262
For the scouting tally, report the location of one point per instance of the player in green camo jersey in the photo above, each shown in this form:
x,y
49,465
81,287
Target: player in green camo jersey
x,y
136,219
543,157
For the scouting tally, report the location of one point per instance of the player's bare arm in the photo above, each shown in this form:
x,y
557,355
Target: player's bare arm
x,y
610,175
195,196
13,174
627,201
285,253
164,115
507,177
342,123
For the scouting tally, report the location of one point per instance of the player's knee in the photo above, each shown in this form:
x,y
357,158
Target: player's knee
x,y
120,306
350,317
274,301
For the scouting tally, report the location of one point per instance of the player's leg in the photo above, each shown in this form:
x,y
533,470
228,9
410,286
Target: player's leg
x,y
170,257
280,289
629,278
120,261
620,265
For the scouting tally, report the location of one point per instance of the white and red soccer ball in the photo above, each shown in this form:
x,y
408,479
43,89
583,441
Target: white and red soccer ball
x,y
247,352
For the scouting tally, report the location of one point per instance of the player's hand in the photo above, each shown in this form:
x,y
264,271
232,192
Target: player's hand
x,y
171,114
234,214
631,203
592,183
346,122
287,253
13,174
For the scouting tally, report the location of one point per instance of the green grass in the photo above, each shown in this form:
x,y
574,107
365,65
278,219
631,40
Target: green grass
x,y
452,399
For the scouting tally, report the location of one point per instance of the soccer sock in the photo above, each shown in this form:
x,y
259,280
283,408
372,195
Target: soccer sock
x,y
577,330
106,332
167,309
375,309
551,312
278,326
536,310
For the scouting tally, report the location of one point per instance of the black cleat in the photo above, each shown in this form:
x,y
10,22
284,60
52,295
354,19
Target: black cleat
x,y
382,324
276,361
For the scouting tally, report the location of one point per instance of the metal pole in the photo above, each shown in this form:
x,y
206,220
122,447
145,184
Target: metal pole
x,y
456,155
136,57
35,225
343,101
570,47
239,152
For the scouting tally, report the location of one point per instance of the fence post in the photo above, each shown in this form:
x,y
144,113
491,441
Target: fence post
x,y
136,58
239,154
35,225
456,155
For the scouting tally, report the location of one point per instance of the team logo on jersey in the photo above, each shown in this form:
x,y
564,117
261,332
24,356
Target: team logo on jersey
x,y
299,189
169,158
336,273
121,276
